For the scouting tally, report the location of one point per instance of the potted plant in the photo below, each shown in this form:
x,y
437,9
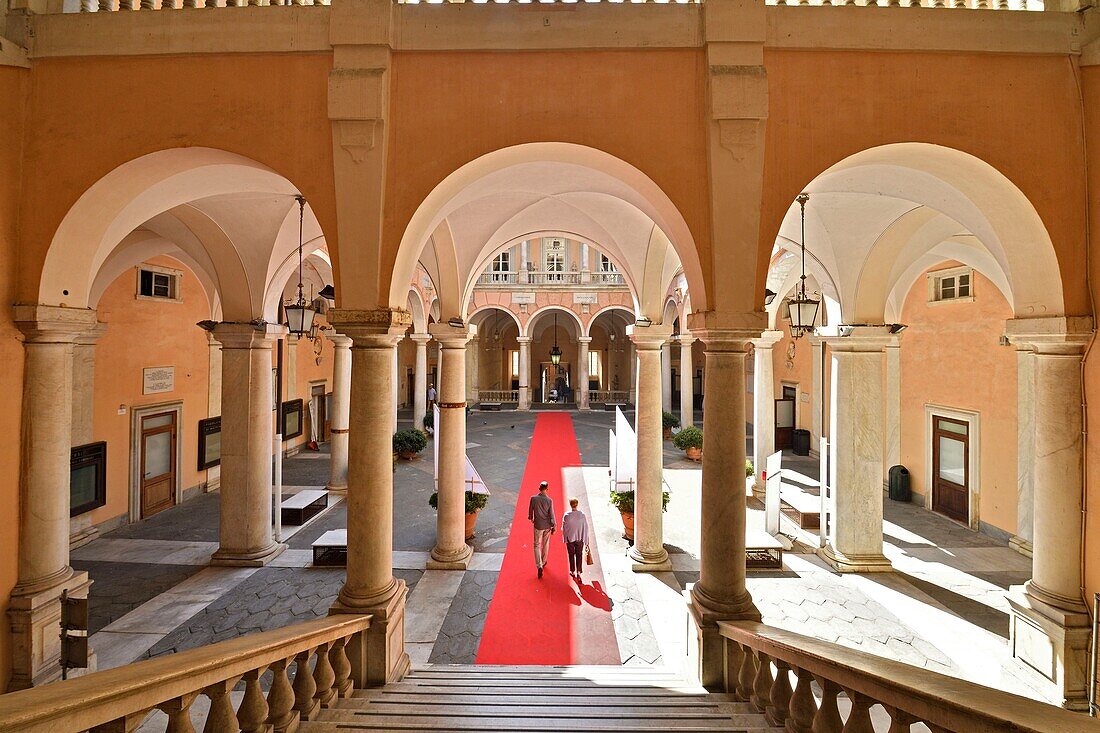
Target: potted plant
x,y
429,422
668,422
474,504
749,470
624,502
690,440
407,443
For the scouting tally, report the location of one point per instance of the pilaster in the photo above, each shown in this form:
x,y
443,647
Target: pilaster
x,y
763,404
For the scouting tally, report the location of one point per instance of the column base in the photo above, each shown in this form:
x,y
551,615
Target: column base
x,y
1020,545
335,489
645,562
35,620
845,563
1052,641
255,559
378,655
706,652
450,561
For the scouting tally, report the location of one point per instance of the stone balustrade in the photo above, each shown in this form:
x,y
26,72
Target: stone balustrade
x,y
498,395
120,699
608,395
93,6
777,671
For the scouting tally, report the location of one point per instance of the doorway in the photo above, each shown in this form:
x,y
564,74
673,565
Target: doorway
x,y
158,462
319,412
784,418
951,468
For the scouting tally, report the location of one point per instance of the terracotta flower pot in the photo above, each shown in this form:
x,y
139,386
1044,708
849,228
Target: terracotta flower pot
x,y
628,526
471,520
666,433
408,455
694,454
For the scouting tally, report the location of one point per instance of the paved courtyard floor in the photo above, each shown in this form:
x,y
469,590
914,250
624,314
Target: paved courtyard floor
x,y
942,609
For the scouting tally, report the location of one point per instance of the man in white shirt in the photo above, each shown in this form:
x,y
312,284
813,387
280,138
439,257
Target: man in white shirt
x,y
431,395
574,530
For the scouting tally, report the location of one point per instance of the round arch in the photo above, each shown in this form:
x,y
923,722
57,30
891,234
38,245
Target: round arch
x,y
607,309
620,178
132,194
537,316
499,308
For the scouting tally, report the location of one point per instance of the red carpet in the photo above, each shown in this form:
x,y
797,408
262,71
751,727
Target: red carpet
x,y
552,620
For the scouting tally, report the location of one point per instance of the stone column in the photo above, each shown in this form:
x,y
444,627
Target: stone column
x,y
524,372
1025,449
291,366
648,552
370,587
1049,622
666,377
341,411
522,275
81,530
687,389
582,372
395,380
817,361
632,373
720,593
855,537
43,567
214,402
451,551
763,406
420,379
245,533
892,455
472,366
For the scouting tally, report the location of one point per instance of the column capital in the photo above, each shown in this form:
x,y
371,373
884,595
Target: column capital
x,y
768,339
452,337
1057,335
648,338
858,338
380,328
339,340
730,340
755,322
584,339
522,340
51,324
253,335
685,339
420,338
92,335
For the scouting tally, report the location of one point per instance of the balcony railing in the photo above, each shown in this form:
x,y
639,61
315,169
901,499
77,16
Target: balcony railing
x,y
497,278
553,277
607,278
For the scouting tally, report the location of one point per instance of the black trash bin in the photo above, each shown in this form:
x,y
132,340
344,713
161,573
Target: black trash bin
x,y
800,442
899,484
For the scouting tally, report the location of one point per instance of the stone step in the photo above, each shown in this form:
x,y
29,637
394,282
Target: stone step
x,y
600,708
671,700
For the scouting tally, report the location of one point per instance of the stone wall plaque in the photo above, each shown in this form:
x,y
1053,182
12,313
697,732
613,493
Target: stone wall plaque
x,y
523,297
155,380
589,298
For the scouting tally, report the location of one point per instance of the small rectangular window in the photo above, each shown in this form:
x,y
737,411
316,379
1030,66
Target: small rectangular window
x,y
515,363
160,283
953,284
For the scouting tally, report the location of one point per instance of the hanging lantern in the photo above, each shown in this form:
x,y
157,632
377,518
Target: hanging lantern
x,y
299,314
555,352
802,309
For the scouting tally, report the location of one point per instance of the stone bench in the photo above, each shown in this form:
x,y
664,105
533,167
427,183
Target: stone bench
x,y
801,507
762,551
490,406
297,509
331,548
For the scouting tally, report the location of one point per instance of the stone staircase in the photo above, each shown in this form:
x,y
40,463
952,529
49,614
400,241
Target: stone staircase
x,y
550,699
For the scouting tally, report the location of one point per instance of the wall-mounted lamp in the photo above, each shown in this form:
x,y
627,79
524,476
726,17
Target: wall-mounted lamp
x,y
769,296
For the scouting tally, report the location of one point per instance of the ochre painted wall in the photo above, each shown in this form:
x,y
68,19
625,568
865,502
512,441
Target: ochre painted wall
x,y
951,357
800,372
169,102
148,333
14,83
1020,114
642,106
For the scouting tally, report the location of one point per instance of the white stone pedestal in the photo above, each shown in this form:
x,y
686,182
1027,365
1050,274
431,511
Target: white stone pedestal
x,y
1053,642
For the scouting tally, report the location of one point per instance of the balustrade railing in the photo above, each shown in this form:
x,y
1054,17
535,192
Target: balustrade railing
x,y
120,699
607,278
608,395
762,661
549,277
498,395
497,278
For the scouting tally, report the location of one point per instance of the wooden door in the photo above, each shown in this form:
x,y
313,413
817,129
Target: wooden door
x,y
951,468
784,419
158,463
317,393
